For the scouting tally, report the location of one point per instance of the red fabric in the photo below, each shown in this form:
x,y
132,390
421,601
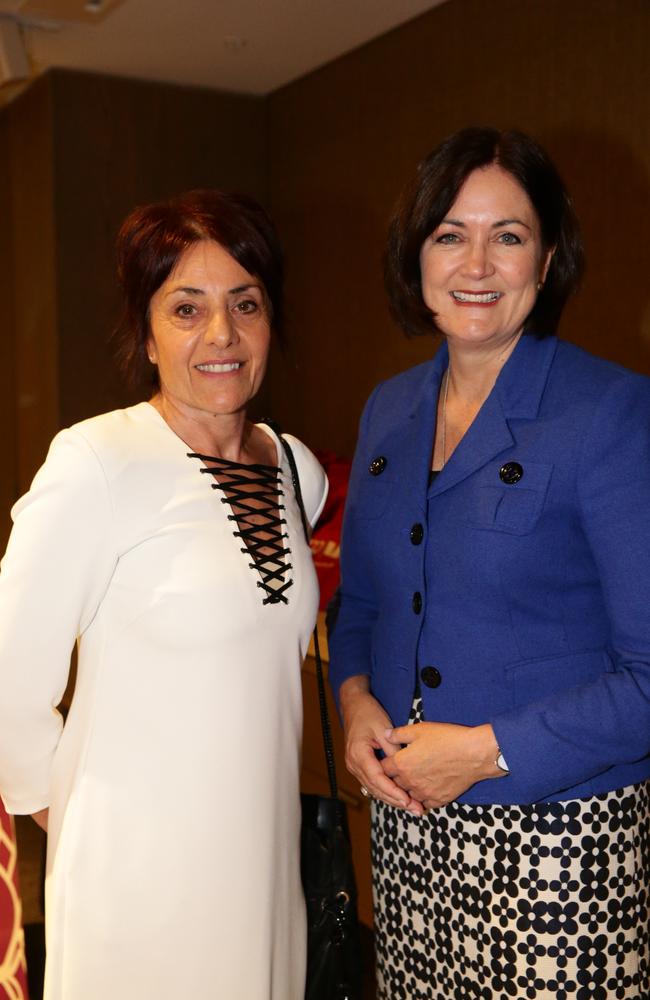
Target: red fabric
x,y
13,979
326,540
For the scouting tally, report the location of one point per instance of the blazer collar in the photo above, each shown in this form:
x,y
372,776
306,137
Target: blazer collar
x,y
522,380
519,385
517,394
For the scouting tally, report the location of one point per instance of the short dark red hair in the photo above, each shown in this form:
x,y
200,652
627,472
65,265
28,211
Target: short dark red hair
x,y
152,239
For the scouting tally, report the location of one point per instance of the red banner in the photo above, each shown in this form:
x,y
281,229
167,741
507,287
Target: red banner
x,y
326,540
13,979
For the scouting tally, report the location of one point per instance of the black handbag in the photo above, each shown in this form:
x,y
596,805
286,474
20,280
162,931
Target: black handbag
x,y
333,947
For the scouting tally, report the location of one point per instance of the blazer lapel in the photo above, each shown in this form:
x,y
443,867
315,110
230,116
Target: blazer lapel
x,y
516,394
487,437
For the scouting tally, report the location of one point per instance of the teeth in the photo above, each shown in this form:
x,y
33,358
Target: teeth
x,y
220,369
476,296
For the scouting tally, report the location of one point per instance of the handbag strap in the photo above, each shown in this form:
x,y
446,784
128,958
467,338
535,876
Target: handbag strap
x,y
326,728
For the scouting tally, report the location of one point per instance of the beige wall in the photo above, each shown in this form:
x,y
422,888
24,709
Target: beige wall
x,y
575,73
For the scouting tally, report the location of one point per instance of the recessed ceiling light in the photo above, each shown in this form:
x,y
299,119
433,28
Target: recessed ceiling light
x,y
65,11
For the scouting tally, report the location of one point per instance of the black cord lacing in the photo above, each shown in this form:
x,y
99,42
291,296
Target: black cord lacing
x,y
263,538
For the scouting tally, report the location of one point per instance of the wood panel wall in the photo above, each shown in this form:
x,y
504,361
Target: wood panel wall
x,y
120,143
27,250
8,487
344,140
77,152
330,153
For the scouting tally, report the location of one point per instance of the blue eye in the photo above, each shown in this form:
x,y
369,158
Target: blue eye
x,y
510,239
447,238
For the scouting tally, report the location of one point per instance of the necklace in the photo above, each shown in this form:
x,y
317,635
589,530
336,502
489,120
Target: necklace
x,y
443,435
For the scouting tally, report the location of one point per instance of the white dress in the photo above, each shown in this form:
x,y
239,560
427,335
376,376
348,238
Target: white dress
x,y
173,855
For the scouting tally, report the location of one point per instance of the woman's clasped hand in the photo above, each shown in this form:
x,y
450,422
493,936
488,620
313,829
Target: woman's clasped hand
x,y
413,767
436,762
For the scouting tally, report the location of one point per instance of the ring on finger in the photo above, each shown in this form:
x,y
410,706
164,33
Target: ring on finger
x,y
364,791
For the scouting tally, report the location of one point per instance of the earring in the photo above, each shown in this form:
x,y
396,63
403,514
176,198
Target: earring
x,y
540,285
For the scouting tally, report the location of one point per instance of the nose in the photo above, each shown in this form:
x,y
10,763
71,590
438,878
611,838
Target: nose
x,y
221,331
477,263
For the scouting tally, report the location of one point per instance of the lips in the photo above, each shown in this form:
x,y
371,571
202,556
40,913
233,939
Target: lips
x,y
476,298
219,367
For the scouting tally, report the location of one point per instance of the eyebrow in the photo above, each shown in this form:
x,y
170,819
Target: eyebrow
x,y
511,222
245,288
186,290
495,225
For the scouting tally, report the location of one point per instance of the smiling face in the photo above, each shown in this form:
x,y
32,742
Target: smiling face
x,y
482,266
210,333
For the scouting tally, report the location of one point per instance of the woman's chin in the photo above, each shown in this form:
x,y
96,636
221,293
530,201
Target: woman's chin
x,y
480,334
211,404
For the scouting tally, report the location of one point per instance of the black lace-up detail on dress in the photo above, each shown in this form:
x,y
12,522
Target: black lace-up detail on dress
x,y
254,495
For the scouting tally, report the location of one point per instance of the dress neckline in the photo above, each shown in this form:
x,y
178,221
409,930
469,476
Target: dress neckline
x,y
264,544
254,494
160,420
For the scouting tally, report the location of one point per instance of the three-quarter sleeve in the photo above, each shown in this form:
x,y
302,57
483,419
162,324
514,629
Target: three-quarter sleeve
x,y
59,561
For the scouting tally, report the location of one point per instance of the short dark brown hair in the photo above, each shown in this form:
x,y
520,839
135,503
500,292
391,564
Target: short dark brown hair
x,y
152,239
428,198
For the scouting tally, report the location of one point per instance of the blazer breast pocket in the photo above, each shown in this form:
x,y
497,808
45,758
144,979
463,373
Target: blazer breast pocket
x,y
371,488
509,496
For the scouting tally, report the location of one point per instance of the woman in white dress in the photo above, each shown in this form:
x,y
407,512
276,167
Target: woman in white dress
x,y
166,540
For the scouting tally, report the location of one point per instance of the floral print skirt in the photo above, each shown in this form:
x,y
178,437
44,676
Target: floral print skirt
x,y
547,902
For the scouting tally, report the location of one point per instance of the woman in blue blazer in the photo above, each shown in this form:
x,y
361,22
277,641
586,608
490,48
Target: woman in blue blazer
x,y
491,656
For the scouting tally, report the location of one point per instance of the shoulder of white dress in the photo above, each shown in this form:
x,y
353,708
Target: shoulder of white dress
x,y
313,480
119,437
114,425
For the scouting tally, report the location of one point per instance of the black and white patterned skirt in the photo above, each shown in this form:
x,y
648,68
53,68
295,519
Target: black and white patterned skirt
x,y
547,902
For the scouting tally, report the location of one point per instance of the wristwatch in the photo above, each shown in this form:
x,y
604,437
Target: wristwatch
x,y
501,762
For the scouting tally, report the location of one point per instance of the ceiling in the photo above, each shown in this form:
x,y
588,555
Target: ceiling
x,y
247,46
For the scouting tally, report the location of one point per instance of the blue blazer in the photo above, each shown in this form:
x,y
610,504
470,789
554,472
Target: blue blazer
x,y
534,595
